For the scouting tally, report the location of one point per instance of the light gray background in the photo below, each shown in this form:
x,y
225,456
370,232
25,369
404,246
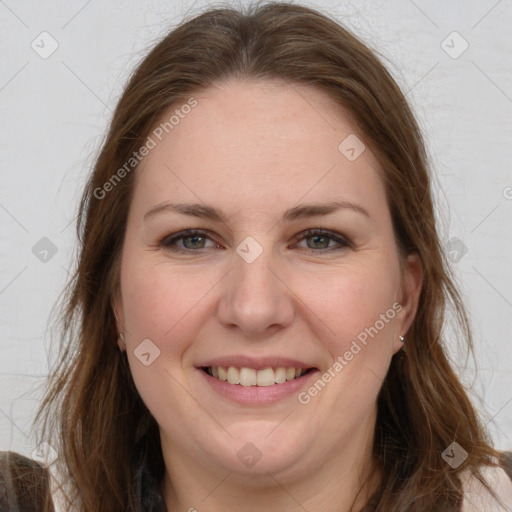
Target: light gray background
x,y
54,114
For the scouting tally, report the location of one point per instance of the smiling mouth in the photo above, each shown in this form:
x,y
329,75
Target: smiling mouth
x,y
251,377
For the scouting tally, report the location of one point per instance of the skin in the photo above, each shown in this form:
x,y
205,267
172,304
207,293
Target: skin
x,y
253,150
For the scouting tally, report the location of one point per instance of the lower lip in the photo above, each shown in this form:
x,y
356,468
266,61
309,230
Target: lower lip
x,y
258,394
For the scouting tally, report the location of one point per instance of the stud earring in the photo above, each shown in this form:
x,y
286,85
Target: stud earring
x,y
121,336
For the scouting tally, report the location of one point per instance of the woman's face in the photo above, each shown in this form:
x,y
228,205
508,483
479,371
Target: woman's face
x,y
253,296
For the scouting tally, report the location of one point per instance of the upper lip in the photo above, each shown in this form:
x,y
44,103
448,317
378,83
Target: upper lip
x,y
258,363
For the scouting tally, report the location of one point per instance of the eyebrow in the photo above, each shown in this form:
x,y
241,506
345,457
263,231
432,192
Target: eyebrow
x,y
204,211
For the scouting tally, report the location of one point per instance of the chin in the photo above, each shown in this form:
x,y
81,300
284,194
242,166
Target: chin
x,y
256,451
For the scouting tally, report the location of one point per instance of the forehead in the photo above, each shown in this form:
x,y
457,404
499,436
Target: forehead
x,y
257,143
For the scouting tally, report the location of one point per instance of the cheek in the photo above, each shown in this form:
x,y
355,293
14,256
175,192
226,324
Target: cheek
x,y
356,304
164,304
353,303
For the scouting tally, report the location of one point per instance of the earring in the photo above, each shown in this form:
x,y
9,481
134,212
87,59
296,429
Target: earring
x,y
402,339
122,337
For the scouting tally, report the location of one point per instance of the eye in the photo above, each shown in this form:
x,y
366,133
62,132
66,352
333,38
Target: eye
x,y
186,241
194,240
320,240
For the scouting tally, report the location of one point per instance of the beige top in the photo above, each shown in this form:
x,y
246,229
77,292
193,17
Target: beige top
x,y
478,499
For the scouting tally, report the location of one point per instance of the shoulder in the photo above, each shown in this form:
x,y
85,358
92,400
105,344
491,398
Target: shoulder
x,y
24,484
478,499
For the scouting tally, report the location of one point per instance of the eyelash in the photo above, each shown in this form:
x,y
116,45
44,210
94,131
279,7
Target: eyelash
x,y
167,241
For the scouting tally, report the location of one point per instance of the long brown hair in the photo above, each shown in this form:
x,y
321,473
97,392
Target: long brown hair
x,y
92,405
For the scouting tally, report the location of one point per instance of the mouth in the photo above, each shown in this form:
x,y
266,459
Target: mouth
x,y
251,377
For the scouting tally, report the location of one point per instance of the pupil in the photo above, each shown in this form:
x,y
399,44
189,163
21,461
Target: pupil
x,y
316,238
194,239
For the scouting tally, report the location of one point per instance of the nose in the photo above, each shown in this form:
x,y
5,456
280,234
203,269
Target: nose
x,y
255,298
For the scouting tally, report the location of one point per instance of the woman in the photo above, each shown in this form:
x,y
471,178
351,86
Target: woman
x,y
256,318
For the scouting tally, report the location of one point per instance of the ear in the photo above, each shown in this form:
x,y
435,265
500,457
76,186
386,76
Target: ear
x,y
117,308
408,296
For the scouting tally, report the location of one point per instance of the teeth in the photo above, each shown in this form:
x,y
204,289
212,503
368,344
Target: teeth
x,y
281,374
247,376
251,377
265,377
233,375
